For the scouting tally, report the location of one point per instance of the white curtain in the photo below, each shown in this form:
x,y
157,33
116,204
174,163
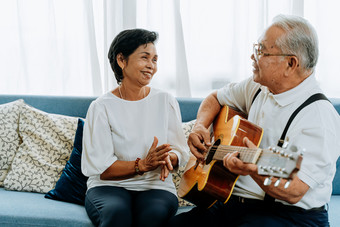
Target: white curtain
x,y
59,47
47,48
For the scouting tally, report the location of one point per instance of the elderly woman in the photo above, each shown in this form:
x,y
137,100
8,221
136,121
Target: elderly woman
x,y
133,139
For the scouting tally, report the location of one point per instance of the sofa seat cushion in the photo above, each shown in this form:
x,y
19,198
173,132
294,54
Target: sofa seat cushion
x,y
32,209
334,209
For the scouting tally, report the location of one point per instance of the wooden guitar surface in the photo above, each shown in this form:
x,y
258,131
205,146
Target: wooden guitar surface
x,y
204,184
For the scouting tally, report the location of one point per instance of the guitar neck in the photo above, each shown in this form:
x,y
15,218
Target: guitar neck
x,y
248,155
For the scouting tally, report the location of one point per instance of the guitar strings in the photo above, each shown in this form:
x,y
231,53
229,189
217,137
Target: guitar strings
x,y
231,149
246,154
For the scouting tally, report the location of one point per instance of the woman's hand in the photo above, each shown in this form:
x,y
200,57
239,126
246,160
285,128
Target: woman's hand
x,y
155,157
171,160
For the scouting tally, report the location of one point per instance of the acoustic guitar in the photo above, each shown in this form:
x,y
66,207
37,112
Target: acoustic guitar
x,y
205,183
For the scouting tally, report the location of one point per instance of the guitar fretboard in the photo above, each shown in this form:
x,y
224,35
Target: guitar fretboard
x,y
249,155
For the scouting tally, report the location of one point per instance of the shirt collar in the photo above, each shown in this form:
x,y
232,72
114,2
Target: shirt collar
x,y
295,93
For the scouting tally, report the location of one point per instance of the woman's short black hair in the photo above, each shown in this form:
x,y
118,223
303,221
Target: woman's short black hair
x,y
126,42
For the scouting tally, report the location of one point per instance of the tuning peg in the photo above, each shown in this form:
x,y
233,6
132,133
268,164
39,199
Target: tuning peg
x,y
263,168
272,169
269,169
287,184
285,144
267,181
273,149
282,170
277,183
291,157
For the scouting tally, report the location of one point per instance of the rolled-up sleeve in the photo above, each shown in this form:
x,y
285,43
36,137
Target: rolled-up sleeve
x,y
238,95
98,151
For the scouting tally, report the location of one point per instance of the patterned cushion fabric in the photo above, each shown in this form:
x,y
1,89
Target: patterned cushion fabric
x,y
9,137
47,141
71,187
176,177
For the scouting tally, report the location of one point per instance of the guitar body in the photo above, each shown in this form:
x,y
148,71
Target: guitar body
x,y
204,184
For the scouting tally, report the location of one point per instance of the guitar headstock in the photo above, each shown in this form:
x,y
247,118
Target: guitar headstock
x,y
279,162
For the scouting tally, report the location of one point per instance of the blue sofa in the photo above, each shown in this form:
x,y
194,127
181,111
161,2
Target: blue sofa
x,y
32,209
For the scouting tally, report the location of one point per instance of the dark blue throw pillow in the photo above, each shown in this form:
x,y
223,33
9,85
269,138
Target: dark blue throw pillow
x,y
71,186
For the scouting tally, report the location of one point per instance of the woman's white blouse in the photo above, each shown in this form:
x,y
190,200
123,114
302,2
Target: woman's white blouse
x,y
116,129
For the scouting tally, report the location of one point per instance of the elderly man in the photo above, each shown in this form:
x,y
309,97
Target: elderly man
x,y
283,79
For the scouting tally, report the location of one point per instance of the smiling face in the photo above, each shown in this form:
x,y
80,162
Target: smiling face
x,y
139,68
270,70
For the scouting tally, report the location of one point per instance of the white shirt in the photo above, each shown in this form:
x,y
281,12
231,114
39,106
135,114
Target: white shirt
x,y
316,128
118,129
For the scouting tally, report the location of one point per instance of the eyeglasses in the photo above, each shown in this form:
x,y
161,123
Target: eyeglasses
x,y
258,52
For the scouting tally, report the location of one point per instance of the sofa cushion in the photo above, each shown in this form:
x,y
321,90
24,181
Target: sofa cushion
x,y
333,211
32,209
176,177
9,137
47,141
71,186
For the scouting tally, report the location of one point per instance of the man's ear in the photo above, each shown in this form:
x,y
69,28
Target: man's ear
x,y
121,60
293,62
292,65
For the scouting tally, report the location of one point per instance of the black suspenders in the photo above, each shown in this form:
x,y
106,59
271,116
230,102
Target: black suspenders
x,y
318,96
313,98
256,94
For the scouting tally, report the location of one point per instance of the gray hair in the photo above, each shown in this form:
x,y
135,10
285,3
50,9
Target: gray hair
x,y
300,39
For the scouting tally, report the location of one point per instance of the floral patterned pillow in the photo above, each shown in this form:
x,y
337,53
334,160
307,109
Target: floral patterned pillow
x,y
176,177
9,137
47,142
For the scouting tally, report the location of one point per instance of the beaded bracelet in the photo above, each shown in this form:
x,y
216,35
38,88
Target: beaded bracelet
x,y
137,168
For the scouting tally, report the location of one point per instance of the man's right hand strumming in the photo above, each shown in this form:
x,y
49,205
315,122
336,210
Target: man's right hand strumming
x,y
199,141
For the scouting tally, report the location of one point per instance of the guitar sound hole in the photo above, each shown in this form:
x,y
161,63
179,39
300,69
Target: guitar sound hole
x,y
212,151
